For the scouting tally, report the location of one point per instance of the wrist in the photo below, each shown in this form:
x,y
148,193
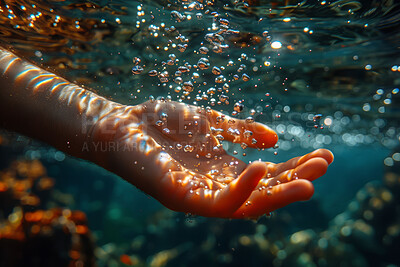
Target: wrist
x,y
107,131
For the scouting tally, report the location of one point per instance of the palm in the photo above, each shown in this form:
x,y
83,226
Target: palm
x,y
180,161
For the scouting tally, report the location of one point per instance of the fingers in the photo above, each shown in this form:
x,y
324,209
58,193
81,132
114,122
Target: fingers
x,y
276,169
321,153
253,134
187,118
235,194
265,201
181,192
310,170
287,187
248,196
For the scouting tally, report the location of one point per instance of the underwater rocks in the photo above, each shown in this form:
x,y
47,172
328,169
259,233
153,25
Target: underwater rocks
x,y
31,235
367,233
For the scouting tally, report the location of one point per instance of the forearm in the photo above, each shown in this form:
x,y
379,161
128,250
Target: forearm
x,y
42,105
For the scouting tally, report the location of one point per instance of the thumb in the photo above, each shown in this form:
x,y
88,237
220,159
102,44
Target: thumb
x,y
237,192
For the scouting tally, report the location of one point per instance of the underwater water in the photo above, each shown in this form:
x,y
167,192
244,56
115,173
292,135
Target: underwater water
x,y
322,74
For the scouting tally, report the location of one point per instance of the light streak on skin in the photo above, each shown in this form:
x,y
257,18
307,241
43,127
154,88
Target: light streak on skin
x,y
93,108
10,63
43,82
23,73
99,113
57,86
164,159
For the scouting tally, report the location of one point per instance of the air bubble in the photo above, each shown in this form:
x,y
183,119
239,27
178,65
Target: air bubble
x,y
177,16
249,120
211,91
163,116
178,80
136,60
187,86
172,56
163,76
203,63
203,50
217,148
183,69
188,148
137,69
216,130
238,107
234,132
181,47
220,79
219,137
247,133
216,71
217,49
223,98
153,73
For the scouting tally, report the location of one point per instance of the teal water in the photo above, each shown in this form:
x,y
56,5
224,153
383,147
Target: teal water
x,y
322,74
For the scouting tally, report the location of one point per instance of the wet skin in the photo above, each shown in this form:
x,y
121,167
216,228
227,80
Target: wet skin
x,y
172,151
186,168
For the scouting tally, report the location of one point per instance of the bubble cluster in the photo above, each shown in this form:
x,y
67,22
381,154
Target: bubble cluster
x,y
219,65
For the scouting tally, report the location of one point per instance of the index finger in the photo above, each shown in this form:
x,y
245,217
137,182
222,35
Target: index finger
x,y
253,134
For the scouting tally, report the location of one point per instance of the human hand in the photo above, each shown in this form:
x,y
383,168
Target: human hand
x,y
170,150
173,152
